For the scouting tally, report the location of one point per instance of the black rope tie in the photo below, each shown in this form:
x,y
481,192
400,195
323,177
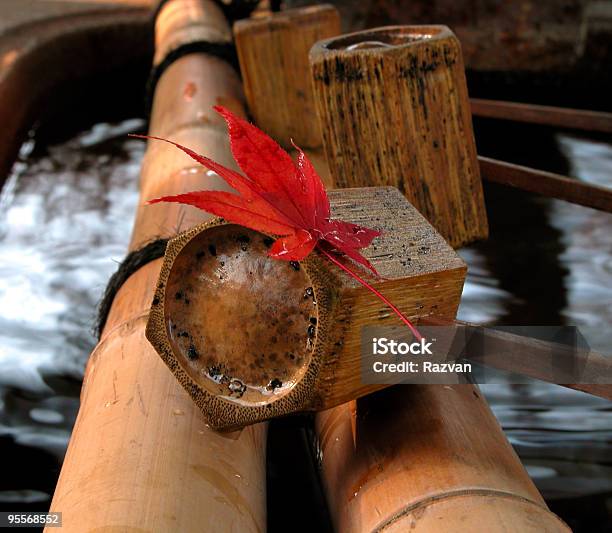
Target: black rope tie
x,y
223,51
132,262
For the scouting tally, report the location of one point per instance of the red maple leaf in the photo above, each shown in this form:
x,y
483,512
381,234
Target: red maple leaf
x,y
279,197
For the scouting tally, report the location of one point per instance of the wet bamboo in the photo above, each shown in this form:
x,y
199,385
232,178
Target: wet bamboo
x,y
140,457
425,458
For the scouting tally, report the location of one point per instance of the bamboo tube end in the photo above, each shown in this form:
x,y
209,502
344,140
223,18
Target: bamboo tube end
x,y
227,306
287,18
394,110
235,326
251,338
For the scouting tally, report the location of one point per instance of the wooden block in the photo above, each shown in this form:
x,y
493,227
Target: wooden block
x,y
273,55
394,110
250,337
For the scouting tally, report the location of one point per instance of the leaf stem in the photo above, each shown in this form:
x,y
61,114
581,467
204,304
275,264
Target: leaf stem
x,y
382,297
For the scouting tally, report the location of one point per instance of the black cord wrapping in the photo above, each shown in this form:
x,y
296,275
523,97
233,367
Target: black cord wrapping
x,y
224,51
132,262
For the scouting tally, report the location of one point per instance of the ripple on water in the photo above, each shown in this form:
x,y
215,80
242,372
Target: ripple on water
x,y
65,221
563,436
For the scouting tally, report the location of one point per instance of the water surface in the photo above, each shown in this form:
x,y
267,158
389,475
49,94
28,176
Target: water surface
x,y
65,219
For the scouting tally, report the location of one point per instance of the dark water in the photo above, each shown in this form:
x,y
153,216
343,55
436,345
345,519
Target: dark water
x,y
548,262
65,218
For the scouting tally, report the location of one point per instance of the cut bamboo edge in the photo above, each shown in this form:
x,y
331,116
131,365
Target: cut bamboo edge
x,y
414,132
141,457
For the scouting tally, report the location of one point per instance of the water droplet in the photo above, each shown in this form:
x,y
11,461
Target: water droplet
x,y
192,352
274,384
190,90
237,387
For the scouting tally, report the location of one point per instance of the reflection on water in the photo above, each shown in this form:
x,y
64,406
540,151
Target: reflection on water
x,y
65,218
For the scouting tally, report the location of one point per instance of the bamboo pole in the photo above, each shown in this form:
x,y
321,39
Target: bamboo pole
x,y
560,364
141,457
282,104
185,23
560,117
394,110
546,183
425,458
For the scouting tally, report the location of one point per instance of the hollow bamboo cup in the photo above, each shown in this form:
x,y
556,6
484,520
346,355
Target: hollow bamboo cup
x,y
141,457
394,110
251,337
